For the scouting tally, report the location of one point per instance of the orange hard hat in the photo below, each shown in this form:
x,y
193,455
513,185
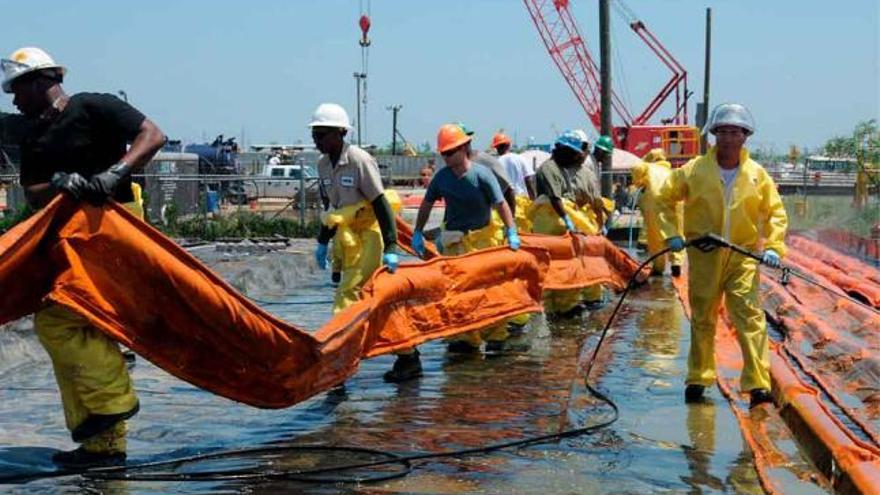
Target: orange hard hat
x,y
451,136
499,139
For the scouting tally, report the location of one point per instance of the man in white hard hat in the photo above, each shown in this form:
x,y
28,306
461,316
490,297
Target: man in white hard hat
x,y
349,178
78,145
728,194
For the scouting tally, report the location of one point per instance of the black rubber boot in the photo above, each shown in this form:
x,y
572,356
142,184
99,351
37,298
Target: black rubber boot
x,y
693,393
461,347
83,459
406,367
759,396
574,312
99,423
676,271
495,345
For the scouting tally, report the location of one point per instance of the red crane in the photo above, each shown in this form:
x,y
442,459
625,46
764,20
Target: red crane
x,y
567,48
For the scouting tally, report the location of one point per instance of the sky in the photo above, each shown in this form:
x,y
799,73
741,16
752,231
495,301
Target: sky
x,y
807,69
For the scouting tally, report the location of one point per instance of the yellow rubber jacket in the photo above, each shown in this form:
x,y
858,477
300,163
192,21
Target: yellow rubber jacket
x,y
753,212
650,176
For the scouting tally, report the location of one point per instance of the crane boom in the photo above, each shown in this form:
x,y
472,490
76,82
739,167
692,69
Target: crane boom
x,y
567,48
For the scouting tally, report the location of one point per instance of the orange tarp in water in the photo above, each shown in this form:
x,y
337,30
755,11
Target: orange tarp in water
x,y
143,290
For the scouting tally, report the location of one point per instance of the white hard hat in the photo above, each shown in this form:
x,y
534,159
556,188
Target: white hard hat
x,y
582,134
731,114
24,61
330,115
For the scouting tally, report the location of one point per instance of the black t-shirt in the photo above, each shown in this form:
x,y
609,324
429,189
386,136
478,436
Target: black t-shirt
x,y
88,137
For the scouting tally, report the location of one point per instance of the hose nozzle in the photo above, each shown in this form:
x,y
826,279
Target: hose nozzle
x,y
709,242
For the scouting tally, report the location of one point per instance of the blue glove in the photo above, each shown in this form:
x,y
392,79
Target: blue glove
x,y
418,242
391,260
569,225
771,259
513,238
321,256
675,243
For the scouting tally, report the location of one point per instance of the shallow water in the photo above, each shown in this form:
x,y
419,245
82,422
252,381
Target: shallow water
x,y
658,444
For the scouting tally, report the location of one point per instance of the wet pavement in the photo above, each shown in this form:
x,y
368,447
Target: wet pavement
x,y
657,445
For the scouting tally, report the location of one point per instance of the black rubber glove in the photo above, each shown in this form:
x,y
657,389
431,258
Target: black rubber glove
x,y
73,184
103,186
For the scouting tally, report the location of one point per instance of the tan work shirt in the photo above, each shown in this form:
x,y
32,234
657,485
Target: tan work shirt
x,y
354,178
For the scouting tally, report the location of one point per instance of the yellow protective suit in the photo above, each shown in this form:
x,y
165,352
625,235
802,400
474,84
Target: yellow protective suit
x,y
546,221
650,175
90,370
358,245
751,213
489,236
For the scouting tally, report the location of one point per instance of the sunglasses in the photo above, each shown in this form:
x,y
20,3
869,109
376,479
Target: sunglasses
x,y
451,152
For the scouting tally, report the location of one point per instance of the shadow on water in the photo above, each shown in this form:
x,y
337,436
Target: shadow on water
x,y
658,444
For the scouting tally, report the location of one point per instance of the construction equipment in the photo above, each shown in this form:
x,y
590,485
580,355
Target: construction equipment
x,y
569,52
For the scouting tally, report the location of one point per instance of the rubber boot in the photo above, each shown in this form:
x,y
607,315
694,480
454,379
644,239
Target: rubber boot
x,y
99,423
693,393
83,459
406,367
461,347
759,396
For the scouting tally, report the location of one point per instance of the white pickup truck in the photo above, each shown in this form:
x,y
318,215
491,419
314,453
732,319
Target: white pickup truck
x,y
280,181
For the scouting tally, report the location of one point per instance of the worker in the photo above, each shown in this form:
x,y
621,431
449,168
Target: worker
x,y
564,186
649,175
470,191
726,193
77,145
357,209
520,173
425,175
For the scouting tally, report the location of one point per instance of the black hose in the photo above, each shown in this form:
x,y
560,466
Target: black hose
x,y
131,472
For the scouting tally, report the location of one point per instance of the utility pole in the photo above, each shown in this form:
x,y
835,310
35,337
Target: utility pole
x,y
605,76
359,78
703,116
394,109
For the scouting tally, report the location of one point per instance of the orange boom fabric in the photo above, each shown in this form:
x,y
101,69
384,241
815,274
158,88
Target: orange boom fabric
x,y
143,290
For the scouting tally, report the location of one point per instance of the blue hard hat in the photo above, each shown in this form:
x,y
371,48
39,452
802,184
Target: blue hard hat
x,y
571,140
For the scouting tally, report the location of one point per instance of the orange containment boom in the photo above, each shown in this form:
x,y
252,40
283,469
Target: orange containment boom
x,y
145,291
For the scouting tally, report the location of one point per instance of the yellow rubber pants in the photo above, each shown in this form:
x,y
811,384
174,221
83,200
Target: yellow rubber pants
x,y
736,278
654,238
546,221
358,243
489,236
91,373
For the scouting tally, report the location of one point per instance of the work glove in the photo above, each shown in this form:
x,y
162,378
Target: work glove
x,y
569,225
513,238
73,184
391,260
418,243
771,259
675,243
321,256
103,185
